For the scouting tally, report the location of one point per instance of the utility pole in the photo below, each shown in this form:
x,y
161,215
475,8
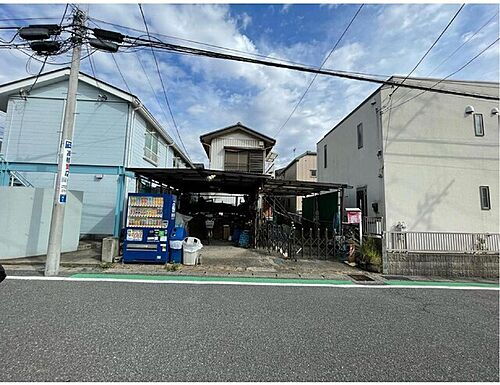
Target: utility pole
x,y
64,154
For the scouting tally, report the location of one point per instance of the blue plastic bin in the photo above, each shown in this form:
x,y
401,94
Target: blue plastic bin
x,y
176,237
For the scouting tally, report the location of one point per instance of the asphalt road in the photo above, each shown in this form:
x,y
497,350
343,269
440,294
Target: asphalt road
x,y
101,331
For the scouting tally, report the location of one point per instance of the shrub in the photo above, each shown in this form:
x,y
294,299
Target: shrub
x,y
371,252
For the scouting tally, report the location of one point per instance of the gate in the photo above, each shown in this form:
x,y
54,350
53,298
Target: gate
x,y
297,243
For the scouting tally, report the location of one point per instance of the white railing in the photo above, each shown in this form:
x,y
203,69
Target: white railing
x,y
372,226
441,242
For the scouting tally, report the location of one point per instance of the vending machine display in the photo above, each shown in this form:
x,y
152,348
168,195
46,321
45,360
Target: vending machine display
x,y
150,218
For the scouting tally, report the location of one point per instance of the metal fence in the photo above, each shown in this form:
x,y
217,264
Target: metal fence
x,y
297,243
373,226
441,242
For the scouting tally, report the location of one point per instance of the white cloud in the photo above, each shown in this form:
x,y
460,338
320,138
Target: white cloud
x,y
207,94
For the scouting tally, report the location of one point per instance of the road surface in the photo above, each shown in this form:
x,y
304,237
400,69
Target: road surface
x,y
123,331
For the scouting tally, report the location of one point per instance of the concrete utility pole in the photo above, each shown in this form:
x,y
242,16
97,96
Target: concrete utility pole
x,y
64,155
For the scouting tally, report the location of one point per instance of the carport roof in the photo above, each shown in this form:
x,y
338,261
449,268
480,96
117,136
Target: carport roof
x,y
206,181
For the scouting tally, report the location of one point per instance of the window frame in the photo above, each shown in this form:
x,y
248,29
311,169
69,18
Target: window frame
x,y
481,132
485,205
325,156
314,173
359,131
151,150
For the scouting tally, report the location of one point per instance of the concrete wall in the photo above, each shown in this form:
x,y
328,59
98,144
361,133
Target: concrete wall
x,y
442,265
233,139
434,163
348,164
25,215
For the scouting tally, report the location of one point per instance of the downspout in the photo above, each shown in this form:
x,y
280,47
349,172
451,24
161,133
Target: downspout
x,y
381,176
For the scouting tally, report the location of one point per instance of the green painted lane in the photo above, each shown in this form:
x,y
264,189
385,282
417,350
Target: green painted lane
x,y
302,281
213,279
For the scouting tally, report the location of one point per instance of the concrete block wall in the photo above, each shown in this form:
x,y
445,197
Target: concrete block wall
x,y
442,265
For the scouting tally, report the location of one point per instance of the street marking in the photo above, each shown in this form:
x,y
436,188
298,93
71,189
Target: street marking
x,y
247,281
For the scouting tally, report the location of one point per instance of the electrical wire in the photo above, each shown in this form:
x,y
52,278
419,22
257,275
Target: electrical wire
x,y
465,42
450,75
162,84
453,53
320,67
38,75
225,48
31,18
431,47
199,52
116,63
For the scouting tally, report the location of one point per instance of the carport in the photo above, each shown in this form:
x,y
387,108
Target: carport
x,y
263,195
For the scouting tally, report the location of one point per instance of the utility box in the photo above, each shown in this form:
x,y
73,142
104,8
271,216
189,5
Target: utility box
x,y
109,249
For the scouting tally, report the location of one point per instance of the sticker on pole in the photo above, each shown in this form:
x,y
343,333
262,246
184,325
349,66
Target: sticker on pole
x,y
66,161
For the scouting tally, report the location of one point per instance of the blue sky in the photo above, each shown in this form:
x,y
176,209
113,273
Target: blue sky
x,y
207,94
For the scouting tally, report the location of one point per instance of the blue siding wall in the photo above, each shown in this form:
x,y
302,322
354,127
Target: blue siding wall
x,y
99,197
33,130
100,131
137,143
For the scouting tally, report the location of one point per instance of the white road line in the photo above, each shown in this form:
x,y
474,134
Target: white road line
x,y
348,286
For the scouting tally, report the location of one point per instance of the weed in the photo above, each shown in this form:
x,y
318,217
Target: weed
x,y
172,266
105,265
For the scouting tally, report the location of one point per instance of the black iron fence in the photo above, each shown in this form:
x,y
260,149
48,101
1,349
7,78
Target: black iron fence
x,y
297,242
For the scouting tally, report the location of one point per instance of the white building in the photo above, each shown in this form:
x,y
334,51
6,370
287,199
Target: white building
x,y
237,148
427,160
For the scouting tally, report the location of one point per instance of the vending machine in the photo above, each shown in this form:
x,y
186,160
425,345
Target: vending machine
x,y
150,218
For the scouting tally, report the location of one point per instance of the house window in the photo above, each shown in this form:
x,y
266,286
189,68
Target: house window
x,y
484,192
360,135
244,161
478,125
151,147
325,153
313,173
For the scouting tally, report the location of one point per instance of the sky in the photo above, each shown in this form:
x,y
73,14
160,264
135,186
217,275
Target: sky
x,y
207,94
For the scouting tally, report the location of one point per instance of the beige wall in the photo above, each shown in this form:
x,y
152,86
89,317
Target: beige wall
x,y
434,163
299,170
348,164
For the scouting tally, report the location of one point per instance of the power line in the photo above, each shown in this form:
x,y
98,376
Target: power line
x,y
431,47
161,81
320,67
450,75
453,53
217,55
47,56
31,18
116,63
223,48
465,42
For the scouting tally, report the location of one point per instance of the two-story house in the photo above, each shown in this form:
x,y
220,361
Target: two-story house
x,y
423,161
301,168
113,131
237,148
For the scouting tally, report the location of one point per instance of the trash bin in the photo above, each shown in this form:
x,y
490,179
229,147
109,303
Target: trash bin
x,y
176,237
191,250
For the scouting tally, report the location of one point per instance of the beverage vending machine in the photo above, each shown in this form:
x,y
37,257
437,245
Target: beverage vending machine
x,y
150,218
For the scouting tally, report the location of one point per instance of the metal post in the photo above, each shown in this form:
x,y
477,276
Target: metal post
x,y
65,148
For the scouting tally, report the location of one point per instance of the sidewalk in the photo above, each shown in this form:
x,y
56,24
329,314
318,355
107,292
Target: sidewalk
x,y
219,260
